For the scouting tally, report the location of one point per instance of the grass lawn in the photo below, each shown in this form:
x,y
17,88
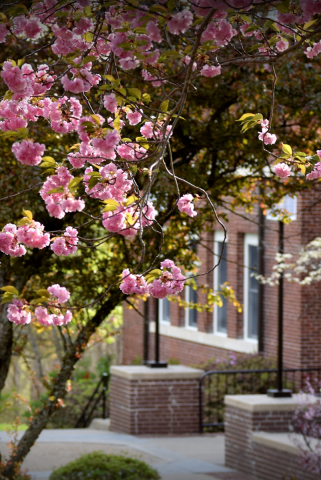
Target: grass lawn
x,y
4,426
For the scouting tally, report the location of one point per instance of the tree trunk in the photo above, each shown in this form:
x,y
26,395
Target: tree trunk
x,y
59,390
6,342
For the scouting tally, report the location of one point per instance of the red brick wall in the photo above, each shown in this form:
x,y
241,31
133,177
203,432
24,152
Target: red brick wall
x,y
302,305
246,456
154,406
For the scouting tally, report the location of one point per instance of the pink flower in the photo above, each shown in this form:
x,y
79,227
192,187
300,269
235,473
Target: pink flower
x,y
185,205
61,293
31,235
28,153
110,103
82,81
66,245
211,71
268,138
221,31
170,282
133,283
43,316
31,27
3,32
282,45
134,117
282,170
17,314
106,146
154,32
128,63
9,243
180,22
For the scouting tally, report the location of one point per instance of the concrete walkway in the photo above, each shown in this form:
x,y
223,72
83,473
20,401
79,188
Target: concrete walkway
x,y
175,458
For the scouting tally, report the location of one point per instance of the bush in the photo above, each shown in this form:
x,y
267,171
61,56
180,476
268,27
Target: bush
x,y
216,386
99,466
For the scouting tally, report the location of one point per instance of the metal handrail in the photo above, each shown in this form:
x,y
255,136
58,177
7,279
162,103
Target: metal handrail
x,y
84,420
228,386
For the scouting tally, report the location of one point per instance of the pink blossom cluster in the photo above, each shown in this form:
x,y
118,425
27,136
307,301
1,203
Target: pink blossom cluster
x,y
61,293
9,243
28,152
221,31
267,137
68,41
63,114
151,130
314,50
105,147
67,244
180,22
185,204
82,81
31,235
25,82
282,170
170,282
31,27
114,183
16,114
316,172
126,220
58,319
110,103
211,71
132,152
60,203
17,312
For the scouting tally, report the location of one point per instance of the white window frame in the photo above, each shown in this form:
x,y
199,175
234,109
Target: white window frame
x,y
187,290
160,313
218,237
249,239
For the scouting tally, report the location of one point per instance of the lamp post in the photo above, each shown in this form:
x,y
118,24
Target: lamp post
x,y
280,391
156,363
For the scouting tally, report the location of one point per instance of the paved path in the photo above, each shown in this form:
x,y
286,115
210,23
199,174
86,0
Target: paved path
x,y
175,458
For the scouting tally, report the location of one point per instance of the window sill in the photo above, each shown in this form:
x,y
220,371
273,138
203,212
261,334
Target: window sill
x,y
203,338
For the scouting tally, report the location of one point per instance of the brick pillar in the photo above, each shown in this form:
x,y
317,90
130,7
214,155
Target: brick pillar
x,y
154,401
253,424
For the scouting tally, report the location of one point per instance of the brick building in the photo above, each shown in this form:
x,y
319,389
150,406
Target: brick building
x,y
194,337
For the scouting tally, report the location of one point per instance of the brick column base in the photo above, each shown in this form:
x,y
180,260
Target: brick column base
x,y
154,401
257,440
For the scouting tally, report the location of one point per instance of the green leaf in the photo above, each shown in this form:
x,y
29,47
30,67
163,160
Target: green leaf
x,y
111,205
130,200
116,123
111,201
308,25
171,5
302,168
10,133
88,37
164,106
74,182
283,7
287,149
135,92
23,221
93,182
94,174
56,190
49,160
243,117
46,165
301,154
39,300
10,289
146,98
27,214
246,18
43,293
88,59
7,297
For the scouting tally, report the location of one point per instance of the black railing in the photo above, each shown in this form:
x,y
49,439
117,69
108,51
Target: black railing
x,y
214,385
97,401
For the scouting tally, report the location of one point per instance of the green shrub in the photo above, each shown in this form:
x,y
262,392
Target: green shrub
x,y
99,466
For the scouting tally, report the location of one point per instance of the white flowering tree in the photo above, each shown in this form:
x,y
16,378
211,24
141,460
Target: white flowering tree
x,y
106,82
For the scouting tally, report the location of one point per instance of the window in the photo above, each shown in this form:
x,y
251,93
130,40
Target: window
x,y
251,287
191,313
220,277
164,309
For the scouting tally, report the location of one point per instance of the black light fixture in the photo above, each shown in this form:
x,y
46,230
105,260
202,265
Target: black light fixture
x,y
156,363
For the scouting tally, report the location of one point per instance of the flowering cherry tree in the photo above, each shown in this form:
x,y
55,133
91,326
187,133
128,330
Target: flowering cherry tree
x,y
111,80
